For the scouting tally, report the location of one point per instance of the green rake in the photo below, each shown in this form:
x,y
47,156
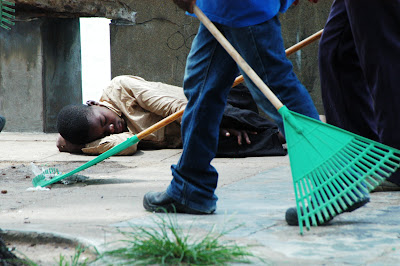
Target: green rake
x,y
330,167
42,181
5,14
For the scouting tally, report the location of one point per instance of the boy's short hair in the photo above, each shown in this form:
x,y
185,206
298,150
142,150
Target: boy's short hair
x,y
73,123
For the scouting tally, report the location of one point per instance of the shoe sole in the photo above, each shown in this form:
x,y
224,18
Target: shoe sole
x,y
292,218
170,208
155,208
357,205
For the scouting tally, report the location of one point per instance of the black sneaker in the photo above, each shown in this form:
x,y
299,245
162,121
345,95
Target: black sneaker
x,y
161,202
291,216
2,122
387,186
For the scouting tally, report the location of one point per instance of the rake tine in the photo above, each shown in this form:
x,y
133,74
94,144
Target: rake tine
x,y
317,181
310,186
310,208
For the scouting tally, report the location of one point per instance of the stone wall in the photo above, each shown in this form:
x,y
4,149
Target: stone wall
x,y
297,24
113,9
40,59
40,72
40,68
156,46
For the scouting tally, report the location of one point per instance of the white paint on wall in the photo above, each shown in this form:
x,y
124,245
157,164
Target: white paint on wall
x,y
96,61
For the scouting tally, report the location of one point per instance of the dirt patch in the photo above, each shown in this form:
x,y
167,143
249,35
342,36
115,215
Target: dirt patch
x,y
15,199
45,249
22,174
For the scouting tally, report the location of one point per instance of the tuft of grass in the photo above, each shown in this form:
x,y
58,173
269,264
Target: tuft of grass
x,y
168,244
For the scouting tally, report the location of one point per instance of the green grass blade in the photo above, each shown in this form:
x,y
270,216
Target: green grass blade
x,y
168,244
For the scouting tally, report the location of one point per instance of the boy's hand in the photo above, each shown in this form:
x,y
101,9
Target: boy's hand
x,y
186,5
240,134
64,145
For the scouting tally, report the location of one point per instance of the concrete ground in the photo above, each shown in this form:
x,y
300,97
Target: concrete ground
x,y
254,192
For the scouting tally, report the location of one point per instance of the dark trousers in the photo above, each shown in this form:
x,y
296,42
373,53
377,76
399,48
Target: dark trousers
x,y
359,61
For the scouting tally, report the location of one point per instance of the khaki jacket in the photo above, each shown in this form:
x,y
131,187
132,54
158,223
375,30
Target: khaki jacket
x,y
142,104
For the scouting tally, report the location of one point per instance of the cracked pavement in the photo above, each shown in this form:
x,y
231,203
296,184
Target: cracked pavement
x,y
253,193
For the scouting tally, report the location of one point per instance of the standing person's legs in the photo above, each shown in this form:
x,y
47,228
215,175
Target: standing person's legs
x,y
209,75
346,97
263,49
375,27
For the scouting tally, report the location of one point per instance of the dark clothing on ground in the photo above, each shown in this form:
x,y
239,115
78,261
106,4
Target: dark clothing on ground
x,y
241,112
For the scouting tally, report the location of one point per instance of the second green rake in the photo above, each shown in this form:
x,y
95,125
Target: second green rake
x,y
331,167
5,14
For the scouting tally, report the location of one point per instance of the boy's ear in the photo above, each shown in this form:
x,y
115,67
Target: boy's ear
x,y
92,102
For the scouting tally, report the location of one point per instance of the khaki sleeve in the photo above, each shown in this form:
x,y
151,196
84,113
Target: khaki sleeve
x,y
155,97
102,145
162,99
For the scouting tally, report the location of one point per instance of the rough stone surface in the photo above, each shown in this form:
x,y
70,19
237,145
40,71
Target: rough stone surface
x,y
156,46
40,72
253,192
112,9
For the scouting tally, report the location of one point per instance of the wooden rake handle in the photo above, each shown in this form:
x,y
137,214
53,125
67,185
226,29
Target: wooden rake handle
x,y
238,80
289,51
162,123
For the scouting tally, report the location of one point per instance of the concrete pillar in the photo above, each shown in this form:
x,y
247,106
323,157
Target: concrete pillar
x,y
40,72
155,47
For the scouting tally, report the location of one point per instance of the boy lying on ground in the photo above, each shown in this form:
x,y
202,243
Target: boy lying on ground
x,y
131,104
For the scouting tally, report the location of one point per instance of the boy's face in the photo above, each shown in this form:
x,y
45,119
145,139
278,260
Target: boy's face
x,y
104,122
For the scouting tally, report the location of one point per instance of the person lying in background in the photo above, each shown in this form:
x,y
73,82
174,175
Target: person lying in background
x,y
130,104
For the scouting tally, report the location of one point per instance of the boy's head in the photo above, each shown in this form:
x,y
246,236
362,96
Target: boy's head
x,y
81,124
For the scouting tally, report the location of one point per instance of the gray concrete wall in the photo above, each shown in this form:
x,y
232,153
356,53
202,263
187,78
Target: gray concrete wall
x,y
156,46
298,23
40,67
40,72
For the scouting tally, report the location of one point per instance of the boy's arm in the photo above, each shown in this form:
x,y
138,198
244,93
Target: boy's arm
x,y
161,99
98,146
104,144
125,93
65,146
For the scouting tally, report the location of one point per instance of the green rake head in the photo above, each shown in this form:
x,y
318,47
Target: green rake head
x,y
5,14
48,174
42,180
332,168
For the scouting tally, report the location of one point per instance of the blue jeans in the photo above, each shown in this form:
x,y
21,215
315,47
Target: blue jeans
x,y
210,73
